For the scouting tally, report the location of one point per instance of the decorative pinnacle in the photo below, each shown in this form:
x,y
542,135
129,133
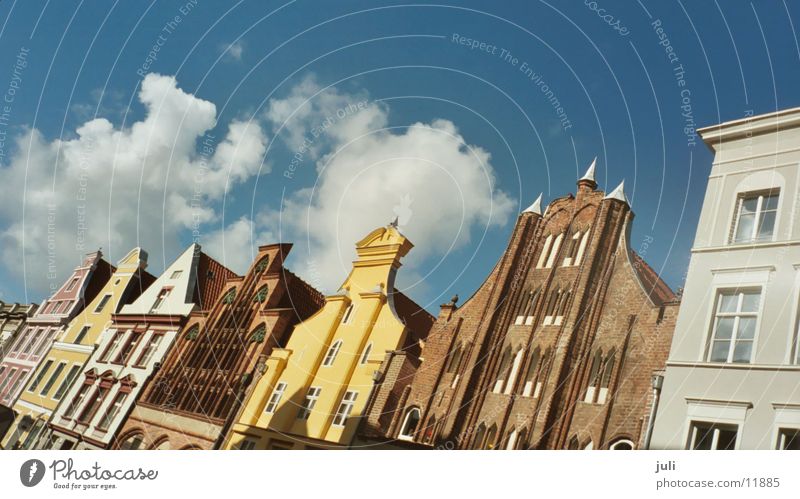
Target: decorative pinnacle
x,y
589,175
536,207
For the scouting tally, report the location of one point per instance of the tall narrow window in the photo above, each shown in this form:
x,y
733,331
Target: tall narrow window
x,y
712,436
77,401
512,377
605,379
20,379
545,251
262,264
115,341
82,334
7,379
505,363
491,436
229,296
333,351
160,299
53,379
581,248
102,304
45,343
261,295
345,408
409,427
72,284
93,404
789,439
755,216
594,377
365,355
572,249
734,326
40,375
150,349
275,398
128,348
530,377
309,402
112,411
68,380
35,337
348,314
554,252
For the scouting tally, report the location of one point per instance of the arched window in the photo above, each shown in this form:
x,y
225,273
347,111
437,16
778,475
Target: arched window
x,y
522,443
581,248
561,310
261,294
526,307
552,306
333,351
410,423
505,363
365,355
573,443
515,366
133,442
229,296
258,334
454,364
491,436
605,380
594,377
572,249
589,446
621,444
192,333
262,264
554,252
545,251
533,371
511,441
348,314
480,434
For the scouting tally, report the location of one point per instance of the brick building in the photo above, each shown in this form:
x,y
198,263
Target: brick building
x,y
555,350
190,401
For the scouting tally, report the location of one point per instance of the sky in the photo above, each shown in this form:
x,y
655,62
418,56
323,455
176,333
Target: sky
x,y
234,125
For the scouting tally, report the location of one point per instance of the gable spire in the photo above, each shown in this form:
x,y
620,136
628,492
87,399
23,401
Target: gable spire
x,y
588,177
536,207
618,193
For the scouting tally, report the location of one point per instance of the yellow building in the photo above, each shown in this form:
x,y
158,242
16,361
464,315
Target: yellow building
x,y
313,392
62,364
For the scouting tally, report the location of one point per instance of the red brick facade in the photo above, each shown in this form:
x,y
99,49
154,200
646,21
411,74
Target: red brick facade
x,y
548,353
200,386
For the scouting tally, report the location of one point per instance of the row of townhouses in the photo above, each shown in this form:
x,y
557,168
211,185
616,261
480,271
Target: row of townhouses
x,y
571,342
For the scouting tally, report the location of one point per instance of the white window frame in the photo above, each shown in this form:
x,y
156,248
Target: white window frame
x,y
760,195
332,353
67,382
34,384
404,435
275,397
51,381
102,303
312,395
345,408
551,259
366,354
736,315
715,436
545,252
347,316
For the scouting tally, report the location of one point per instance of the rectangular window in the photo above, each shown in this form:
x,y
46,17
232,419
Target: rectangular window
x,y
345,408
82,334
112,411
176,274
94,403
734,326
712,436
46,342
789,439
77,401
103,301
35,337
162,295
40,375
52,380
247,444
275,398
72,284
309,403
68,380
17,383
10,376
755,216
112,346
150,349
128,348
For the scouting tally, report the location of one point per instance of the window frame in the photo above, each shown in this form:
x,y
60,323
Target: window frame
x,y
275,397
67,382
112,345
716,427
34,384
149,348
53,378
345,409
761,195
332,353
309,401
112,410
101,305
736,315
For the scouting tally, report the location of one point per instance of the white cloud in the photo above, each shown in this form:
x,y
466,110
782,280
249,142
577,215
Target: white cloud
x,y
441,189
142,185
235,245
233,51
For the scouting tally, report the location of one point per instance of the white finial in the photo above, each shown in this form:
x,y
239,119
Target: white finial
x,y
589,175
536,207
618,193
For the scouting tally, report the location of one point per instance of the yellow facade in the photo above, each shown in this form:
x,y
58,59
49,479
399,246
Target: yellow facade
x,y
62,364
362,320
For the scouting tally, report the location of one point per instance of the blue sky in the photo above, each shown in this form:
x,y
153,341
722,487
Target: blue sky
x,y
496,138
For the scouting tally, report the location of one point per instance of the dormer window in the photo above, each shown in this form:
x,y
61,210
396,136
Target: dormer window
x,y
755,216
348,314
162,295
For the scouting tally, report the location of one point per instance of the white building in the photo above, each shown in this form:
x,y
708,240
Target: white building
x,y
733,376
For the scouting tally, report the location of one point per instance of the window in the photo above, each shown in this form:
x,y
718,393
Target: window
x,y
10,376
20,379
556,307
545,251
622,444
410,423
491,436
71,375
533,372
53,379
365,355
35,337
275,398
345,408
150,349
348,314
505,363
734,326
554,251
599,378
572,250
262,264
333,351
112,346
755,216
176,274
789,439
162,295
33,434
309,403
246,444
112,411
191,335
134,442
128,348
712,436
82,334
94,403
103,301
229,296
259,333
526,307
72,284
512,377
77,401
261,295
40,375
